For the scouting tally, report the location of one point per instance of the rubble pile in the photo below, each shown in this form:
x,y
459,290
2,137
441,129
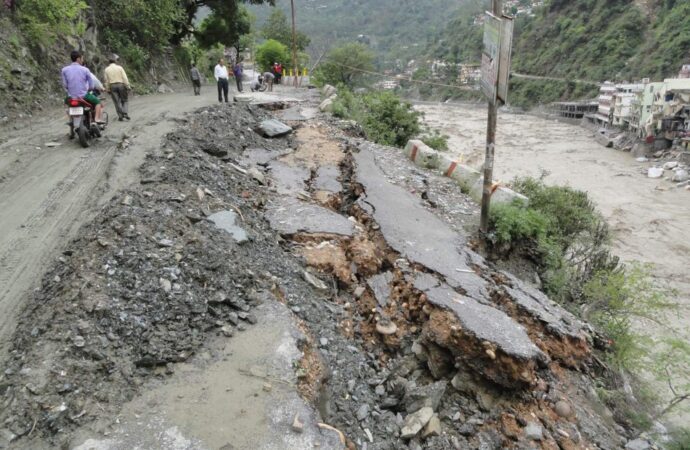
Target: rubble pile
x,y
166,264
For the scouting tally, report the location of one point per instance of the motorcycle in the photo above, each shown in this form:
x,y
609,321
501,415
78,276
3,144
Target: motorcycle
x,y
82,121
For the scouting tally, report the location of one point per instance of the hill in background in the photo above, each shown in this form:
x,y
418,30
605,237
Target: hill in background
x,y
396,29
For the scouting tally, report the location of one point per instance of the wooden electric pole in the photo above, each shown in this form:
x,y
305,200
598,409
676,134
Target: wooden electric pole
x,y
294,44
490,147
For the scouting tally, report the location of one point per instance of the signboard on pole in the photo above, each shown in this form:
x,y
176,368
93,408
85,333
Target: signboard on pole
x,y
504,57
490,56
498,42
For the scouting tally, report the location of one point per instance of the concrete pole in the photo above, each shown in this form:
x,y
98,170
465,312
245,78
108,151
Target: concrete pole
x,y
294,44
490,148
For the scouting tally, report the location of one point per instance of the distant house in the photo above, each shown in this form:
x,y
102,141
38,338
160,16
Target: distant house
x,y
621,110
605,100
642,107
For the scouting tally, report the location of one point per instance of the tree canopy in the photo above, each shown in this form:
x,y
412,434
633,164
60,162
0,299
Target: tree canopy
x,y
278,29
271,51
346,64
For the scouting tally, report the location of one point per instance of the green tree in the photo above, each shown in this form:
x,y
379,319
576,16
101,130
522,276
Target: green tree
x,y
44,20
278,29
269,52
346,64
219,28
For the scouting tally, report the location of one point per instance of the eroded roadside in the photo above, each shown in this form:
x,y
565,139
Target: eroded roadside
x,y
164,312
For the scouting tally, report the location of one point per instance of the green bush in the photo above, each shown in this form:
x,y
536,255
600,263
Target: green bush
x,y
514,223
436,140
389,120
45,20
270,52
573,241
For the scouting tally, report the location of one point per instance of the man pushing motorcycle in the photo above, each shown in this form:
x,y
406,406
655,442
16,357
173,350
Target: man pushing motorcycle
x,y
78,81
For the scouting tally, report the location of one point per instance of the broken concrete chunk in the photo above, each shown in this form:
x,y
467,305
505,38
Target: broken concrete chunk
x,y
226,220
274,128
638,444
529,305
604,140
433,428
415,422
261,156
467,329
257,175
680,175
327,90
289,180
314,281
291,216
380,286
655,172
418,397
534,431
297,424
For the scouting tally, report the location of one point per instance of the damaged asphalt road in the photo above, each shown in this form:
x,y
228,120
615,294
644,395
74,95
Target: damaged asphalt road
x,y
292,277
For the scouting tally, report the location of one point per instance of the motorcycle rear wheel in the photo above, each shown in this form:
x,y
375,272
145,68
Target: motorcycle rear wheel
x,y
84,137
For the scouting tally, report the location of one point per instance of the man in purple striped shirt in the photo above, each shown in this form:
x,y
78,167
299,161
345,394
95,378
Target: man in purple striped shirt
x,y
77,81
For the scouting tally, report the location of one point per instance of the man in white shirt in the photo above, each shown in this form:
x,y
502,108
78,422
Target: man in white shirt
x,y
221,75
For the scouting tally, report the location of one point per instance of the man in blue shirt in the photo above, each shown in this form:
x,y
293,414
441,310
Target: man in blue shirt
x,y
78,81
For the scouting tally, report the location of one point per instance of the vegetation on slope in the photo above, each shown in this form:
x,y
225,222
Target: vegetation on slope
x,y
395,29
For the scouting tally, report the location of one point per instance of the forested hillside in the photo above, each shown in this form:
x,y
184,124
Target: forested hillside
x,y
606,39
592,40
394,28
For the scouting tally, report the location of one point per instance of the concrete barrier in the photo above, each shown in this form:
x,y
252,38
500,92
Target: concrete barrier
x,y
327,105
469,179
500,194
422,155
328,90
466,176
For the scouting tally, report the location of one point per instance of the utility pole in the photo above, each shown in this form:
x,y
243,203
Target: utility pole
x,y
294,44
490,147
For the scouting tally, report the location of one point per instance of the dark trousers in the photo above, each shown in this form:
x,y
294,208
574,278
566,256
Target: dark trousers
x,y
118,92
223,89
197,86
238,80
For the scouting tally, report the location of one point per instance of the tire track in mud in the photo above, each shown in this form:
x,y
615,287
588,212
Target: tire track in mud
x,y
45,230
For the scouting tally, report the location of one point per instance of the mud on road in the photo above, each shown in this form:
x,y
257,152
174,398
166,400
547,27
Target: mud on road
x,y
402,337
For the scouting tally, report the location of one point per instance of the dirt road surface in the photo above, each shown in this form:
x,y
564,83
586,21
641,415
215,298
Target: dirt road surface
x,y
46,193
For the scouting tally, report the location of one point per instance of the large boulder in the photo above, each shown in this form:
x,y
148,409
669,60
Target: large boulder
x,y
273,128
